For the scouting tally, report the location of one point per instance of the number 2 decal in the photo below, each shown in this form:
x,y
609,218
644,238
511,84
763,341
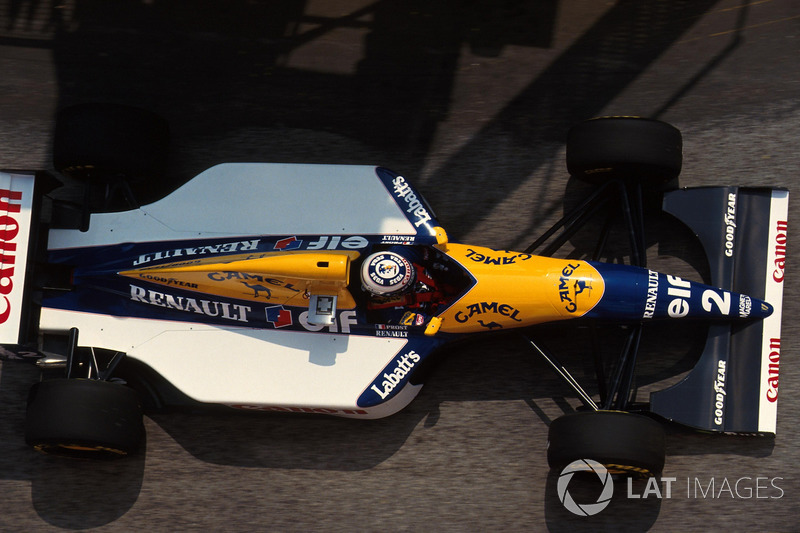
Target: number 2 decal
x,y
711,298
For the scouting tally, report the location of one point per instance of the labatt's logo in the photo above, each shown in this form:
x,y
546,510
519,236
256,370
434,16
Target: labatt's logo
x,y
8,246
403,366
415,207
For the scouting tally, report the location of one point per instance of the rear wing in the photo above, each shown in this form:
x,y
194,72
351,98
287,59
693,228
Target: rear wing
x,y
734,386
16,229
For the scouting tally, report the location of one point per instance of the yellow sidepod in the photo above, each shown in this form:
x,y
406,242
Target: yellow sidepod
x,y
281,277
516,289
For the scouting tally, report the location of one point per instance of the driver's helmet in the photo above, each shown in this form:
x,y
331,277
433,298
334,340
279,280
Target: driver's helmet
x,y
387,274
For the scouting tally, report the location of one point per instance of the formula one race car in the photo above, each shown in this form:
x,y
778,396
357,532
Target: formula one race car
x,y
225,290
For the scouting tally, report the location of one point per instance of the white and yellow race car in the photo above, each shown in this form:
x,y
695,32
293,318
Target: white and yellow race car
x,y
327,289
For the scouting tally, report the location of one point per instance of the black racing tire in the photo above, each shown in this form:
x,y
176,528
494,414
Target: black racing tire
x,y
110,141
83,418
627,148
625,443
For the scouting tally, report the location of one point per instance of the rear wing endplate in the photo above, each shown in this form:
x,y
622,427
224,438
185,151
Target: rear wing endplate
x,y
16,221
734,386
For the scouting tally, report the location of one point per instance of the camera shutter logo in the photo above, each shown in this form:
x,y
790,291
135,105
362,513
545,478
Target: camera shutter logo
x,y
585,509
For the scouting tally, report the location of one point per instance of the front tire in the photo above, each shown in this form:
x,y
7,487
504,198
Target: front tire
x,y
83,418
627,148
624,443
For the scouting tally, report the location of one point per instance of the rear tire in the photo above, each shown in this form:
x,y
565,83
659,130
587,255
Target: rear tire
x,y
110,141
626,148
624,443
83,418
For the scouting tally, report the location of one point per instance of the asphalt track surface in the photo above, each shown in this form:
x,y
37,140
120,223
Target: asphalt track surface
x,y
472,100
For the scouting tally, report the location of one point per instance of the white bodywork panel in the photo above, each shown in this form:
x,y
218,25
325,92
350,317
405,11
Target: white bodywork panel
x,y
242,199
245,366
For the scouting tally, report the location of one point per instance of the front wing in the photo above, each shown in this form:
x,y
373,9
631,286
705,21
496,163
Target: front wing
x,y
734,386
